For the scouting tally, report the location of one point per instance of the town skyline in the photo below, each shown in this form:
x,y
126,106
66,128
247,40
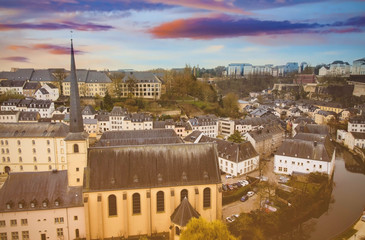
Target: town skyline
x,y
151,34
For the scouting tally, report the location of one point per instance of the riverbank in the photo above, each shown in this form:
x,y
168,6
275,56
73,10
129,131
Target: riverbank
x,y
360,230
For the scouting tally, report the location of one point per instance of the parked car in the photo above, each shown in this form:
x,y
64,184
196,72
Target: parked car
x,y
235,216
238,184
363,218
230,187
283,179
263,178
224,187
244,198
229,176
229,219
250,194
243,182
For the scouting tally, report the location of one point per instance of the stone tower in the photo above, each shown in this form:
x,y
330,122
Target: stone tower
x,y
77,141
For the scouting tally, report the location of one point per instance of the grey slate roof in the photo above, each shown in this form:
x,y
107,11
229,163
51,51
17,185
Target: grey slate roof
x,y
90,121
134,167
203,120
88,110
43,75
142,77
139,137
266,133
321,151
102,117
28,116
118,111
235,152
43,91
254,121
23,130
192,136
138,117
31,86
357,119
90,76
37,187
159,124
183,213
12,83
358,135
312,128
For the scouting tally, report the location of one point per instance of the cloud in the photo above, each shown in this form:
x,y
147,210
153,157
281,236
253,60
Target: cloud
x,y
227,26
211,5
55,26
51,48
15,59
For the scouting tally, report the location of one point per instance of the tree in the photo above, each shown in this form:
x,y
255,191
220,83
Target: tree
x,y
230,105
60,75
117,79
131,85
201,229
107,102
235,137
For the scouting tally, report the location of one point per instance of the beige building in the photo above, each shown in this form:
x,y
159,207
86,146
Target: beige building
x,y
28,147
90,83
266,140
134,190
41,206
141,85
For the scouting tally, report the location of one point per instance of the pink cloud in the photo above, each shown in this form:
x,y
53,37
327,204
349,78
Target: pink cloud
x,y
51,48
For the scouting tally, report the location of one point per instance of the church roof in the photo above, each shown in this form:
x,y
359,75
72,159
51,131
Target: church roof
x,y
38,187
183,213
148,166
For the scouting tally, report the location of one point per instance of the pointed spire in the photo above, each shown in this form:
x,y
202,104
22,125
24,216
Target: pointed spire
x,y
76,123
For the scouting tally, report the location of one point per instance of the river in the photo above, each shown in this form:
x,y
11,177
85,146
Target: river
x,y
348,202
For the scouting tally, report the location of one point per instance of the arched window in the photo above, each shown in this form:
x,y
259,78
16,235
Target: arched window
x,y
112,200
177,230
160,201
206,197
76,148
184,193
136,203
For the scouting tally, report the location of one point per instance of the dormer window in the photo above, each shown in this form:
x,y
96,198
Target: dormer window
x,y
184,176
45,203
135,179
159,177
57,202
9,205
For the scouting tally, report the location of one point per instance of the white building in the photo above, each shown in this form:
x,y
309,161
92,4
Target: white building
x,y
302,155
27,147
137,121
355,139
251,124
358,67
208,124
88,112
103,123
47,92
15,86
9,116
116,118
356,124
44,107
225,127
41,206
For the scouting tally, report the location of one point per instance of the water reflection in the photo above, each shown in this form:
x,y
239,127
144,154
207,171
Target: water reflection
x,y
346,202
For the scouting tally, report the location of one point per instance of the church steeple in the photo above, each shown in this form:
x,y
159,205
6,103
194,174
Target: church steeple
x,y
76,123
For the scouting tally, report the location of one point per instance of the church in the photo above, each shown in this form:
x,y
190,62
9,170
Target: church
x,y
119,191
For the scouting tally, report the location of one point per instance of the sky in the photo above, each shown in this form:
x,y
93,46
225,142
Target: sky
x,y
150,34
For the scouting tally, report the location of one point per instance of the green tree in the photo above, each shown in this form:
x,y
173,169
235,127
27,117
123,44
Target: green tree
x,y
230,105
201,229
236,137
131,86
117,79
10,94
107,102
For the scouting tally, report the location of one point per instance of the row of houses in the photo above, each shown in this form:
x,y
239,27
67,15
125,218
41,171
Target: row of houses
x,y
91,83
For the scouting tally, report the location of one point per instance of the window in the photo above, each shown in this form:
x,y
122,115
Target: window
x,y
48,142
112,201
184,193
34,151
14,236
320,166
285,169
77,233
136,203
48,150
76,148
280,169
13,222
25,235
206,198
35,168
2,223
160,201
76,218
19,150
3,236
24,222
33,142
59,232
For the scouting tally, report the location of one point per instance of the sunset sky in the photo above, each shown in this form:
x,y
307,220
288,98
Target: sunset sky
x,y
147,34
